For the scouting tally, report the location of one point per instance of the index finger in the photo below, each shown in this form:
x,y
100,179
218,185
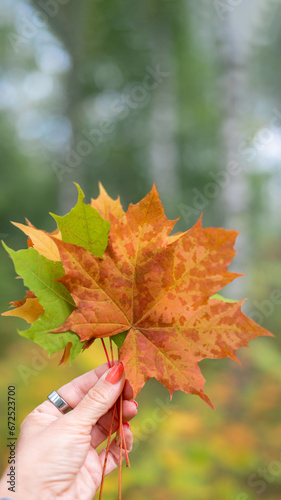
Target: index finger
x,y
73,392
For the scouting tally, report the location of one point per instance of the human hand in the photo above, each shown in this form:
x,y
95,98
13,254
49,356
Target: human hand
x,y
55,454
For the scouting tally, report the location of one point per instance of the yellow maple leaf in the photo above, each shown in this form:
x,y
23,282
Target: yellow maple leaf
x,y
41,241
28,309
106,205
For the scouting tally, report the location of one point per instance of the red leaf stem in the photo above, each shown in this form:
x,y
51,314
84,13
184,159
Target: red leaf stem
x,y
111,349
106,353
120,446
107,449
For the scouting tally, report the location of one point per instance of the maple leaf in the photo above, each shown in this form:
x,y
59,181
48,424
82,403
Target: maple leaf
x,y
157,289
40,240
171,354
40,275
84,226
21,302
29,308
106,205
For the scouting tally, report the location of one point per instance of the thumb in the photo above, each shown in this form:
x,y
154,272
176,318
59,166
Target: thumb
x,y
99,399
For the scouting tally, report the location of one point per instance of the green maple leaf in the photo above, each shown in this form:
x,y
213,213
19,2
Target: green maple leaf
x,y
119,338
39,275
84,226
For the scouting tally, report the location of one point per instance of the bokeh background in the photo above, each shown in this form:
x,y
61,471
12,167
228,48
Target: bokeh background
x,y
185,94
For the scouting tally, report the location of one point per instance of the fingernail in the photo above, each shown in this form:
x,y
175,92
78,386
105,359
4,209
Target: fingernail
x,y
133,401
115,373
127,424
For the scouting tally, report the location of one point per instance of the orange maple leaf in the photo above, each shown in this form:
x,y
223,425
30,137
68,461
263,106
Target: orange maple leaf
x,y
157,288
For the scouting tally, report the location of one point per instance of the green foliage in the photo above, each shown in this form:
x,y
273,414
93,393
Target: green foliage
x,y
84,226
39,275
119,338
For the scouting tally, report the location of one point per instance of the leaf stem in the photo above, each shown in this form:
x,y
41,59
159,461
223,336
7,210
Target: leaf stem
x,y
107,450
106,353
120,445
111,349
111,425
125,449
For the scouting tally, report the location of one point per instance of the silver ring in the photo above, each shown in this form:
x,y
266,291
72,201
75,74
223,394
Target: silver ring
x,y
59,402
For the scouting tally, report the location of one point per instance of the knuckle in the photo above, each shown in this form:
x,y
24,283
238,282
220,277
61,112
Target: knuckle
x,y
99,396
27,421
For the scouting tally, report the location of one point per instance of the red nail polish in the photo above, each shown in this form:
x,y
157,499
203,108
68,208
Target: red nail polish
x,y
133,401
127,424
115,373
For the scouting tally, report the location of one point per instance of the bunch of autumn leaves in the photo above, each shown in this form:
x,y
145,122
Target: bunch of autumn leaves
x,y
107,273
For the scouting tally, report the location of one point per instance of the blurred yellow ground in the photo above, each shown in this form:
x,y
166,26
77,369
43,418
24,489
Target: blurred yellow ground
x,y
183,449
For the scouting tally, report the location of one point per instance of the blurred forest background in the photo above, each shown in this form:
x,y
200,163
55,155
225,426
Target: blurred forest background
x,y
185,94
